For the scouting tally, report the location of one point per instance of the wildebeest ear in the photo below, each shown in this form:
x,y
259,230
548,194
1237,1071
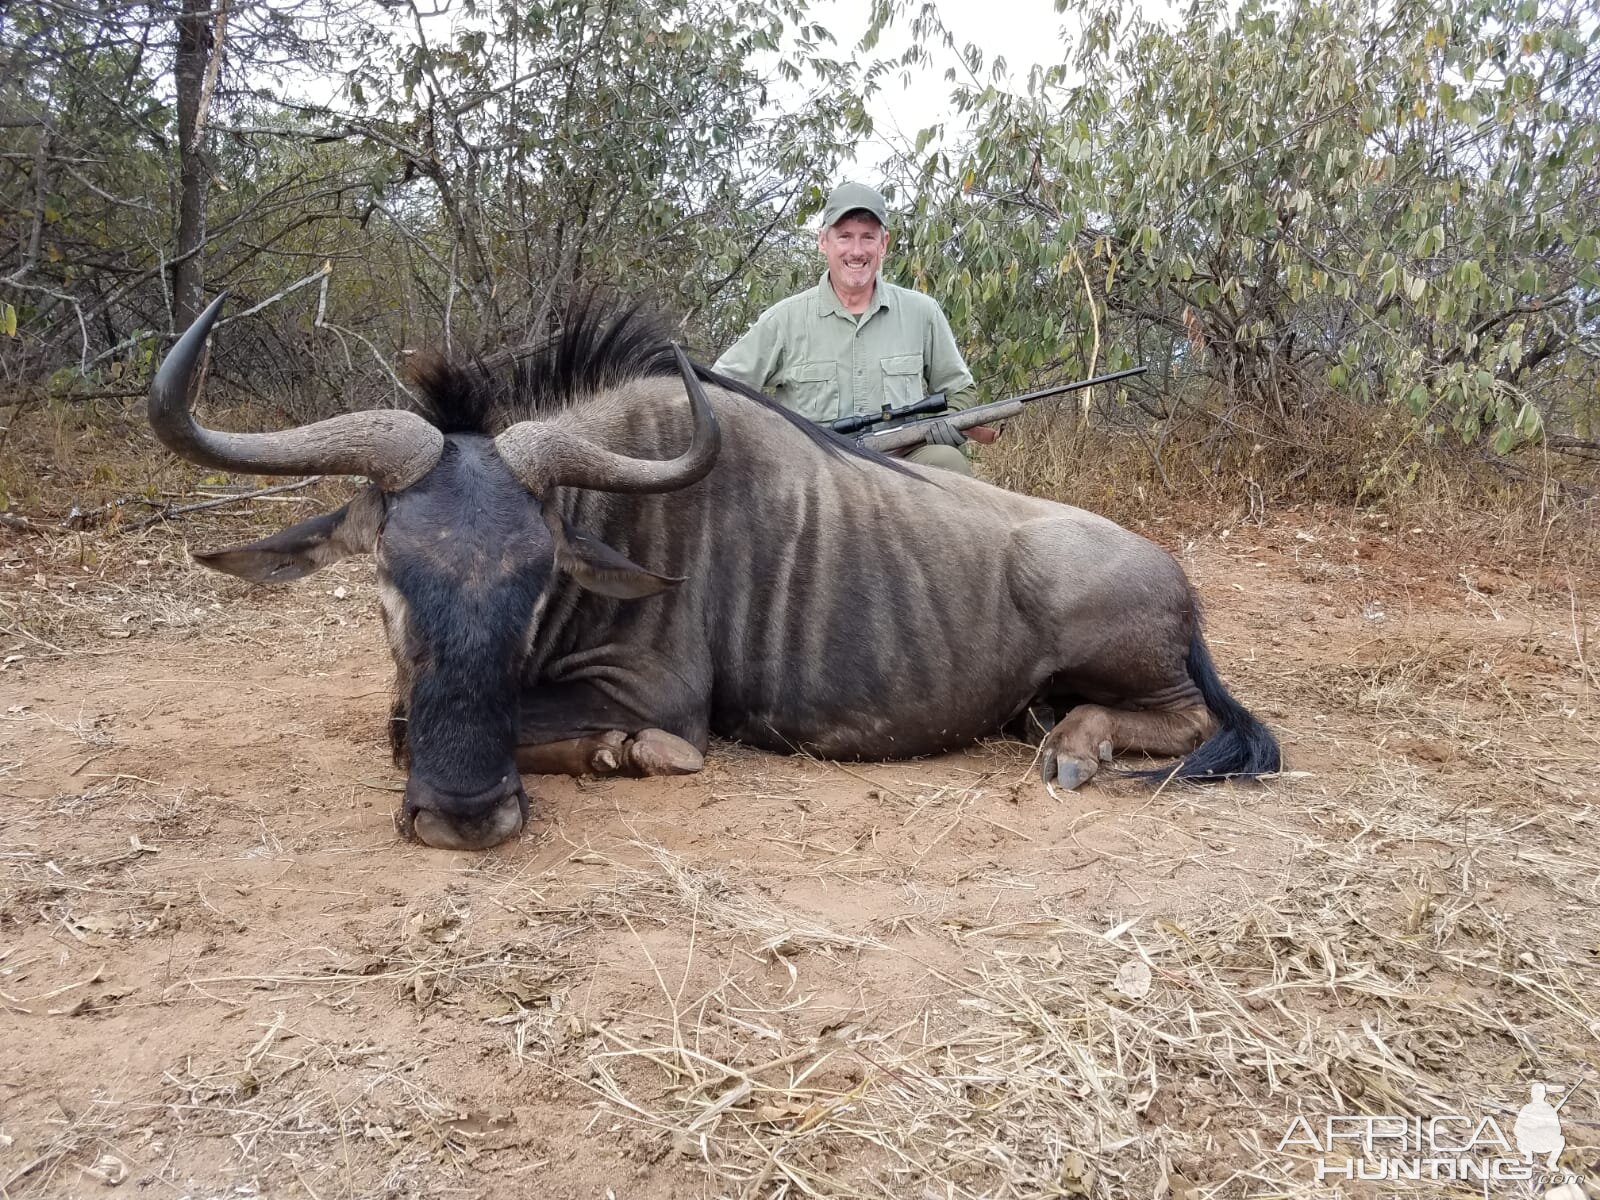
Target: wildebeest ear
x,y
297,551
596,567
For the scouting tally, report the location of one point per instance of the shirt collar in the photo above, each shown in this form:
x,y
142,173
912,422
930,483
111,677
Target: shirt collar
x,y
828,300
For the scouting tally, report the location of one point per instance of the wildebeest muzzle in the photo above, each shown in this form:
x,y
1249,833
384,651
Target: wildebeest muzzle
x,y
448,821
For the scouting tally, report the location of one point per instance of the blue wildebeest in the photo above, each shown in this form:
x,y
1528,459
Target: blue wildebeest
x,y
794,592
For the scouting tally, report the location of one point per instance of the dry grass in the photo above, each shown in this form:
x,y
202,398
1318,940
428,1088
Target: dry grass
x,y
850,980
1527,510
280,1108
91,574
66,593
1363,982
1417,947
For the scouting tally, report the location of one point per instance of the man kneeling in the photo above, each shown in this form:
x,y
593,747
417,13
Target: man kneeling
x,y
853,343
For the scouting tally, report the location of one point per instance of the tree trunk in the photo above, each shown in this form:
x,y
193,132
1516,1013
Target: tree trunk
x,y
194,54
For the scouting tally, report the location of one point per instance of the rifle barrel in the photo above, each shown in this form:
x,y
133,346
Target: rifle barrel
x,y
896,437
1079,384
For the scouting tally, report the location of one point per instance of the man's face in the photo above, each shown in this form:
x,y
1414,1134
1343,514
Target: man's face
x,y
854,247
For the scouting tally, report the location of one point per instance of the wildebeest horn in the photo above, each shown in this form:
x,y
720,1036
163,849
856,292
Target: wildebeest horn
x,y
543,455
392,448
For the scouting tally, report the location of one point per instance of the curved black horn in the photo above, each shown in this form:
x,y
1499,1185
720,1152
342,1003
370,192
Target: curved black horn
x,y
543,455
392,448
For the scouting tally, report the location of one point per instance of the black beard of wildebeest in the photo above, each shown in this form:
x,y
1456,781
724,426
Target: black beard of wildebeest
x,y
592,560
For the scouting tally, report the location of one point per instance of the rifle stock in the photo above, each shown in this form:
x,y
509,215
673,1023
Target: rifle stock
x,y
911,433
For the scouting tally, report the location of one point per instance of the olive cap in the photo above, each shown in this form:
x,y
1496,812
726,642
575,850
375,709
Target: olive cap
x,y
854,197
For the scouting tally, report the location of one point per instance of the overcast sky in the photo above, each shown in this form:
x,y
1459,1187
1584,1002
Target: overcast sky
x,y
1026,33
1023,32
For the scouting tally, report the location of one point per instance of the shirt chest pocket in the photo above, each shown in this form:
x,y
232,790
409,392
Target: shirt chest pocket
x,y
902,379
812,390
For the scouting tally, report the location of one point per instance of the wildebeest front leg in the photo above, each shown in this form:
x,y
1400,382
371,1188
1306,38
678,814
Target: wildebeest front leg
x,y
1091,734
597,754
573,729
648,752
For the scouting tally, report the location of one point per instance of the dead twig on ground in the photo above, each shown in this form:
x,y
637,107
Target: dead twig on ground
x,y
76,521
222,501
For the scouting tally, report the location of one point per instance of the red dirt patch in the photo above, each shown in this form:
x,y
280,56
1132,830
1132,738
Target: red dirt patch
x,y
223,973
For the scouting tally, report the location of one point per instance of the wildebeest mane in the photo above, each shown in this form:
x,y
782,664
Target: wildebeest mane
x,y
600,344
597,345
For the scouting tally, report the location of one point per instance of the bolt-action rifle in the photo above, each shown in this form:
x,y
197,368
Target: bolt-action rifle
x,y
898,428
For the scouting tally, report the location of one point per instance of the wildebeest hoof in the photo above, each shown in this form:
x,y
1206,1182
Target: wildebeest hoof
x,y
1107,751
657,752
607,752
1066,770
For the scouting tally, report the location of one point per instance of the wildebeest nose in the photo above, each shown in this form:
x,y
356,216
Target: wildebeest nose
x,y
452,821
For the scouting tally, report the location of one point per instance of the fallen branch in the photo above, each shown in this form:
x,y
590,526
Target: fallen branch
x,y
1581,447
12,521
221,502
1561,485
136,393
77,519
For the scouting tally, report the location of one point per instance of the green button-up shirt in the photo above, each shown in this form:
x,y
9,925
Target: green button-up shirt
x,y
816,357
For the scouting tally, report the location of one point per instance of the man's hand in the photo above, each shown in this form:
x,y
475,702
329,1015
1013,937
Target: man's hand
x,y
984,435
942,433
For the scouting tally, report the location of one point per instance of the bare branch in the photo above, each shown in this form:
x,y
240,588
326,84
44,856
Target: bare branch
x,y
41,183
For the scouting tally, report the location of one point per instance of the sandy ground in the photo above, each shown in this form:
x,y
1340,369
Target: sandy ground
x,y
222,974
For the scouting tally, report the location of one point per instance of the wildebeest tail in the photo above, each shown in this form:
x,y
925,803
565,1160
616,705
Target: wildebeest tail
x,y
1240,748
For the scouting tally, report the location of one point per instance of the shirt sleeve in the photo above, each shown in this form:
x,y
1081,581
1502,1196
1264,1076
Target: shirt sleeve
x,y
754,359
946,369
